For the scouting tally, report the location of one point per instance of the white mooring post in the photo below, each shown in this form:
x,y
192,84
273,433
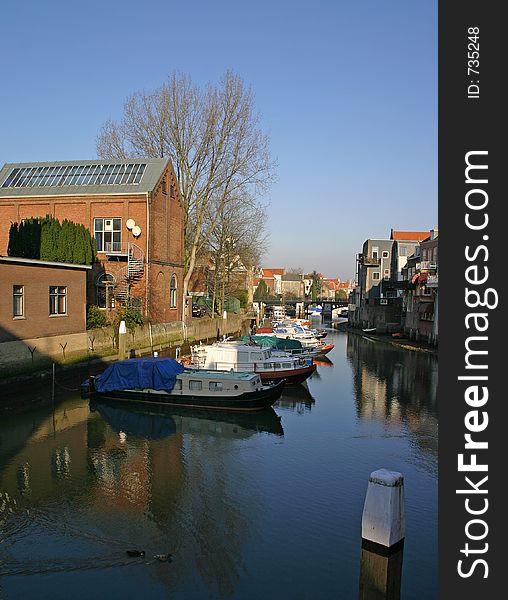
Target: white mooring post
x,y
383,520
122,334
383,531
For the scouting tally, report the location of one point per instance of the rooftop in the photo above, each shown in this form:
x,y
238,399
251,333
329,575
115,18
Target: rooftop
x,y
81,177
41,263
409,236
271,272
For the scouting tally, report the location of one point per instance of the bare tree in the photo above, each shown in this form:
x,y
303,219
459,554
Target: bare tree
x,y
213,139
237,243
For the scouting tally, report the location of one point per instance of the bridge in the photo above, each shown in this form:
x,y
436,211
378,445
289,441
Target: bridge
x,y
306,303
302,306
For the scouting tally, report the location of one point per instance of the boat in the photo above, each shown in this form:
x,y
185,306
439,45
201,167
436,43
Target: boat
x,y
166,382
369,330
277,344
307,337
242,356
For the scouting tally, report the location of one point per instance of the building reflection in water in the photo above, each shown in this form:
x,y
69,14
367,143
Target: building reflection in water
x,y
394,386
135,478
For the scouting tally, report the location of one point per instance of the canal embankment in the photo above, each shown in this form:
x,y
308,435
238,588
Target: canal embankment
x,y
402,342
35,369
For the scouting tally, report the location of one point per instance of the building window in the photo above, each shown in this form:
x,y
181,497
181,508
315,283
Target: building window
x,y
385,254
57,300
108,234
172,292
375,253
105,290
403,251
375,275
18,305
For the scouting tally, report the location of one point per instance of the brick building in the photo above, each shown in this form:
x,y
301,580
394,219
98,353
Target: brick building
x,y
42,312
41,298
133,209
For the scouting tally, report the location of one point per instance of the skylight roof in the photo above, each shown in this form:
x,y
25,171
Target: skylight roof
x,y
65,175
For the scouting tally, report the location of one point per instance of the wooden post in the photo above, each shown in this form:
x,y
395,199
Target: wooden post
x,y
53,386
380,574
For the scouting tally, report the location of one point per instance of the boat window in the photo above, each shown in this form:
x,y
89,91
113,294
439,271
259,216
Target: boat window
x,y
178,384
195,385
286,365
266,354
256,356
276,365
243,357
267,366
215,386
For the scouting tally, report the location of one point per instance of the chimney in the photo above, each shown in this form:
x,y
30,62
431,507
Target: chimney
x,y
434,233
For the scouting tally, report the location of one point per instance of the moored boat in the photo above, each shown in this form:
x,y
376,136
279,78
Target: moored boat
x,y
165,381
240,356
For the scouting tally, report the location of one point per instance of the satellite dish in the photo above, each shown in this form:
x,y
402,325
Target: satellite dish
x,y
136,231
130,223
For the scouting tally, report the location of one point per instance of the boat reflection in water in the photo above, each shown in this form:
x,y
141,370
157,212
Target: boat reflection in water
x,y
146,424
297,398
157,422
323,361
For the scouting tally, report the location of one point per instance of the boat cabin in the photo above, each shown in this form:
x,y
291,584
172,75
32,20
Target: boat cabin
x,y
242,357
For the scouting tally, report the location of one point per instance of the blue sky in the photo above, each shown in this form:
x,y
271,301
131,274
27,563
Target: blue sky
x,y
346,89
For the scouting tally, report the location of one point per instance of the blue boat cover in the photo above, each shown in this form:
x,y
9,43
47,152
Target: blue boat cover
x,y
139,373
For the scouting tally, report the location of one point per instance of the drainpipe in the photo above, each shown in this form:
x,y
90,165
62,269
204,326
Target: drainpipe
x,y
147,251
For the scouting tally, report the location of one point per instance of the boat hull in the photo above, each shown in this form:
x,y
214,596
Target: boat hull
x,y
291,377
326,349
246,402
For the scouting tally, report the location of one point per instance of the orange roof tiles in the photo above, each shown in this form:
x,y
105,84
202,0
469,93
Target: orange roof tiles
x,y
418,236
271,272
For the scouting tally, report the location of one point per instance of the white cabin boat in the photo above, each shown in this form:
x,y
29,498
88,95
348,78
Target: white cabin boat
x,y
245,357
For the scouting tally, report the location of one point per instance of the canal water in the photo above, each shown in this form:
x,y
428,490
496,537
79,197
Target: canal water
x,y
250,507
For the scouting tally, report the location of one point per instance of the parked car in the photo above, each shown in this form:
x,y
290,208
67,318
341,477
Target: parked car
x,y
198,311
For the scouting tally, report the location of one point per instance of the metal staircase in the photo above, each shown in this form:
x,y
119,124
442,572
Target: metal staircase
x,y
130,274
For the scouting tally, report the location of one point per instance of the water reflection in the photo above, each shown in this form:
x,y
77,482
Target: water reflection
x,y
296,398
153,479
237,499
323,361
394,386
142,423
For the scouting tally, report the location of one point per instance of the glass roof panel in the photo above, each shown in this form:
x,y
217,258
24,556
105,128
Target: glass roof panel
x,y
76,175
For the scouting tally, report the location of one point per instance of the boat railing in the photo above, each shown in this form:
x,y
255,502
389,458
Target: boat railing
x,y
252,367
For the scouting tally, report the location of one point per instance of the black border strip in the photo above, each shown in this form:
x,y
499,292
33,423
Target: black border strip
x,y
470,125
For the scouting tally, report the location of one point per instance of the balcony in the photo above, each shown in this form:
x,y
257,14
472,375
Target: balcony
x,y
116,249
432,281
427,265
368,261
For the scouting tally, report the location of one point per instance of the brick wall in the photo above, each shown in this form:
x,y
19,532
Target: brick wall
x,y
161,239
36,321
166,250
